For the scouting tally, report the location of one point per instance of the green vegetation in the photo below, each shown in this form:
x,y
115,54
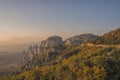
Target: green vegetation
x,y
112,38
83,63
76,62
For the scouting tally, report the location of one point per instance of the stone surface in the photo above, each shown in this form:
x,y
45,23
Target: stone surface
x,y
51,46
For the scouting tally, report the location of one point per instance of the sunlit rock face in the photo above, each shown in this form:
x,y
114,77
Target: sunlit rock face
x,y
35,49
51,46
30,52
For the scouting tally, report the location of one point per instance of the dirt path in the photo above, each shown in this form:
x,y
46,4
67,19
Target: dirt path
x,y
104,46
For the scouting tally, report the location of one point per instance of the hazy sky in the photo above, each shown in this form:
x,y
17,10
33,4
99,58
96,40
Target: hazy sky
x,y
61,17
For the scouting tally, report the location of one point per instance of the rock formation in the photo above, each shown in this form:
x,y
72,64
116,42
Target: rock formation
x,y
53,45
79,39
48,49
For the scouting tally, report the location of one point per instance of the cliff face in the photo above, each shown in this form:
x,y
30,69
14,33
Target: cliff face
x,y
47,50
50,48
52,45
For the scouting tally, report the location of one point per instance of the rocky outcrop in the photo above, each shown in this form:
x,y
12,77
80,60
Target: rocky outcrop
x,y
47,50
51,46
38,55
79,39
54,45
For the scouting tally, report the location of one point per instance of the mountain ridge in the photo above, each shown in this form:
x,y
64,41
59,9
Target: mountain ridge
x,y
59,61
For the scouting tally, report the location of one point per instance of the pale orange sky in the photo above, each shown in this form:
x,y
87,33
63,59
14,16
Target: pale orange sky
x,y
44,18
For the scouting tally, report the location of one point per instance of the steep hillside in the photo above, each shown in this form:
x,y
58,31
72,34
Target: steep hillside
x,y
44,53
83,63
112,38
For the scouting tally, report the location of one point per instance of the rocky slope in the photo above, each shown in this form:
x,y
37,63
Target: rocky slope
x,y
84,63
79,39
53,44
48,49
